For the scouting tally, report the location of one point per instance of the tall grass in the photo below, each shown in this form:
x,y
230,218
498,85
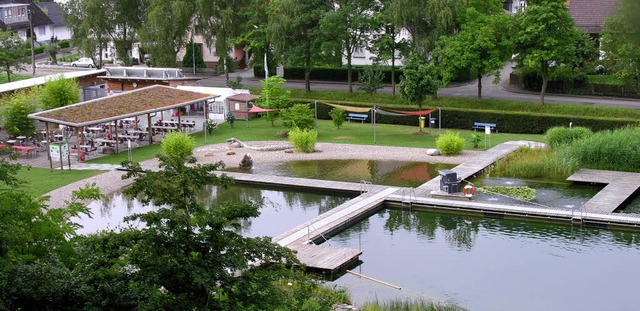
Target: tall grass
x,y
534,163
617,150
408,305
560,135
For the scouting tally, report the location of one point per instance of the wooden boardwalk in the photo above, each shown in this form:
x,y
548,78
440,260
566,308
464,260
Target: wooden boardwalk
x,y
620,187
303,238
474,166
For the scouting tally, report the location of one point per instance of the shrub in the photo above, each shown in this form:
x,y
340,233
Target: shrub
x,y
450,143
476,138
617,150
560,135
178,145
64,44
231,118
300,116
60,92
337,116
15,113
303,140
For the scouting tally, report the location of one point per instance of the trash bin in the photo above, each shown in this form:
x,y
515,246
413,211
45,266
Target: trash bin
x,y
82,156
422,119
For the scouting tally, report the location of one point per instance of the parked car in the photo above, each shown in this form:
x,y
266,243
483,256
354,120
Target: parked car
x,y
84,62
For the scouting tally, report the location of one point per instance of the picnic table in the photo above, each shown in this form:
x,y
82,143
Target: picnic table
x,y
25,150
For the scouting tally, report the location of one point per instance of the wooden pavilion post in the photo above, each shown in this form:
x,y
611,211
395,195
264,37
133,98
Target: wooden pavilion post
x,y
149,129
179,122
117,142
78,142
48,136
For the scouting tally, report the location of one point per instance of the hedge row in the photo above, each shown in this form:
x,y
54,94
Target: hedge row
x,y
507,122
325,74
534,83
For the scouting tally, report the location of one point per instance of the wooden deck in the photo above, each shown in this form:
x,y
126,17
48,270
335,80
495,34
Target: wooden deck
x,y
620,187
473,166
303,238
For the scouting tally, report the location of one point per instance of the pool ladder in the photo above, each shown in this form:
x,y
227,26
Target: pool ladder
x,y
365,186
408,196
311,228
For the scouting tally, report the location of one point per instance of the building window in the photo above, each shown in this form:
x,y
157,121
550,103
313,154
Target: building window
x,y
23,12
359,53
42,30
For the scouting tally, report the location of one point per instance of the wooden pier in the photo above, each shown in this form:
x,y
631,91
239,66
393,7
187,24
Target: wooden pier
x,y
303,238
475,165
620,187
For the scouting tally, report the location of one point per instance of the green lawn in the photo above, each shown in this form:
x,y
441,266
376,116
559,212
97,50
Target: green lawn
x,y
351,133
42,180
14,77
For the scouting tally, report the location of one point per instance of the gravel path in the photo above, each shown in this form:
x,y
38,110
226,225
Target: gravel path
x,y
112,181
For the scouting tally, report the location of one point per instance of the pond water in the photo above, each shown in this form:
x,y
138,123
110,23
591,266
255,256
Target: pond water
x,y
489,264
282,209
551,194
389,173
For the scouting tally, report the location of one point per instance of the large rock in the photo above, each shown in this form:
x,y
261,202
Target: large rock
x,y
247,161
433,152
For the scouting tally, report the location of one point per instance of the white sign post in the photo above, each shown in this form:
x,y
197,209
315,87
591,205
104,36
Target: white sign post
x,y
60,151
487,132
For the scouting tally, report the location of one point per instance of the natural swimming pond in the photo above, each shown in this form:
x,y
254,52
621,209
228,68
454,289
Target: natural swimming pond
x,y
389,173
282,210
489,264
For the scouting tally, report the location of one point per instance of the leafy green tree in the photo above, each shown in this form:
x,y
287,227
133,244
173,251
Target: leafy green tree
x,y
125,18
337,117
300,116
220,23
294,30
60,92
425,20
167,27
274,96
194,51
545,39
621,43
17,108
52,50
385,42
419,81
482,45
188,255
350,23
12,53
370,80
90,26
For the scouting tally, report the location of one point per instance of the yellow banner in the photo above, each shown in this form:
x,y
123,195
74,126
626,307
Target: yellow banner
x,y
349,108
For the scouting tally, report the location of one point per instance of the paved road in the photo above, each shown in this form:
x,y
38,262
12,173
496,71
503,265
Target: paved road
x,y
501,91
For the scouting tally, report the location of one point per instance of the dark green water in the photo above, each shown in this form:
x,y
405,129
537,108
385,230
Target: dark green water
x,y
390,173
281,211
493,264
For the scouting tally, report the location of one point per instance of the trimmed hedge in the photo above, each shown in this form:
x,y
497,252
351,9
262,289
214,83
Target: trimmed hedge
x,y
508,122
64,44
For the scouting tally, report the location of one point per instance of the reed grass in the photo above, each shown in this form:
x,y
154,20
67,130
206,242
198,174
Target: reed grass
x,y
408,305
617,150
532,163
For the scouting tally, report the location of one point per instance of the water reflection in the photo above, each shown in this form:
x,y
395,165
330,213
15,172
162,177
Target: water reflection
x,y
281,209
391,173
490,264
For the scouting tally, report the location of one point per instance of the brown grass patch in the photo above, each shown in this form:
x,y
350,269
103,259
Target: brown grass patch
x,y
343,137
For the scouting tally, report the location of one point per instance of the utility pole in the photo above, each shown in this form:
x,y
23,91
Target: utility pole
x,y
193,54
33,49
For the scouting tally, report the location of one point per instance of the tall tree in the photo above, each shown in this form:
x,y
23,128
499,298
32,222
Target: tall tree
x,y
90,26
621,43
220,22
168,26
350,23
386,42
125,18
294,30
426,20
60,92
420,80
16,110
482,45
545,39
12,53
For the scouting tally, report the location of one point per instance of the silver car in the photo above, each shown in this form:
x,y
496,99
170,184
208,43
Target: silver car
x,y
84,62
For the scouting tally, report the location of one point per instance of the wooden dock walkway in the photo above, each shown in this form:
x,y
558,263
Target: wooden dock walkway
x,y
304,237
475,165
620,187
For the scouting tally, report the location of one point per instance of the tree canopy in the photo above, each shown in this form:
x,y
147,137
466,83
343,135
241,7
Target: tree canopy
x,y
621,43
12,53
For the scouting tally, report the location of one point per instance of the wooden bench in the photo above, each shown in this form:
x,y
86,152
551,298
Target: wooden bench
x,y
482,126
357,117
